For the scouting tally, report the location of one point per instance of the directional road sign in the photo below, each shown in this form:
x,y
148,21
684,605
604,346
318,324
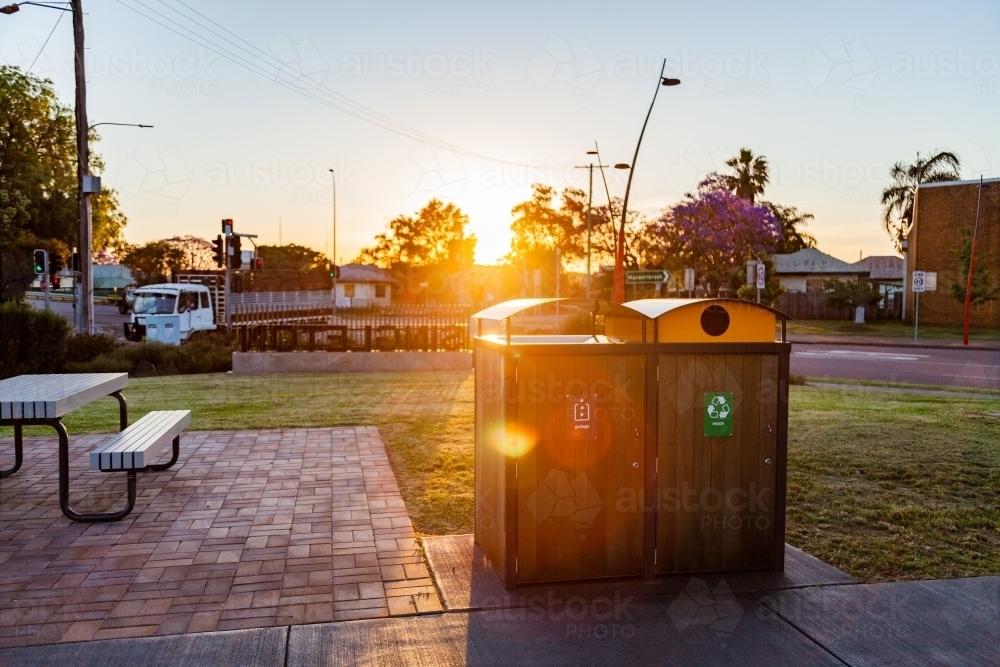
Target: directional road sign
x,y
656,276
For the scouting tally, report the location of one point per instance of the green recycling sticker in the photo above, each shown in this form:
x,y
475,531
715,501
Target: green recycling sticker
x,y
718,414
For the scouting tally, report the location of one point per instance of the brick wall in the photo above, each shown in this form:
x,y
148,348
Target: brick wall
x,y
941,211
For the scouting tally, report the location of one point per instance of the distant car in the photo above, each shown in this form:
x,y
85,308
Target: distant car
x,y
127,301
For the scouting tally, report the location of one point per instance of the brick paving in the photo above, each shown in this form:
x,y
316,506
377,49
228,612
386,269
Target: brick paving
x,y
249,529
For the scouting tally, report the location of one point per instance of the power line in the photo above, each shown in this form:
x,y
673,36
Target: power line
x,y
51,32
317,91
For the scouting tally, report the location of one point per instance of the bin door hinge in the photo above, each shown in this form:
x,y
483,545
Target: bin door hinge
x,y
654,556
515,469
657,372
515,566
657,469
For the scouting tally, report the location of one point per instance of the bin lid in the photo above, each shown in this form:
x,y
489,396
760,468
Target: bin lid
x,y
621,323
502,311
709,320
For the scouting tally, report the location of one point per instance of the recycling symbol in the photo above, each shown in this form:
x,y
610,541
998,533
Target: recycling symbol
x,y
718,408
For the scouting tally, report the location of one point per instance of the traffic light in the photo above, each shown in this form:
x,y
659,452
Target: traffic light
x,y
334,270
227,226
74,262
236,258
258,264
219,251
55,264
40,262
55,282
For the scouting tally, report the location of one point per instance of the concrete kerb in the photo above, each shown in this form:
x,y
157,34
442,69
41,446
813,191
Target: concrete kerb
x,y
976,345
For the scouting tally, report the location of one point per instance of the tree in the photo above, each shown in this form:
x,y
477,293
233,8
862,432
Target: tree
x,y
981,279
198,252
772,286
898,196
793,238
750,175
38,189
714,231
154,262
850,294
437,234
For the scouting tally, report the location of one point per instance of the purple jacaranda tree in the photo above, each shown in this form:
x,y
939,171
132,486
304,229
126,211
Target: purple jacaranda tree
x,y
714,231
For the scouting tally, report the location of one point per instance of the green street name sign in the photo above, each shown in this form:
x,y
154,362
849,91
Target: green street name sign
x,y
718,412
636,277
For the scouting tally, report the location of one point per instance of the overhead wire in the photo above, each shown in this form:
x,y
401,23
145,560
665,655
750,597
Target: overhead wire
x,y
46,43
316,92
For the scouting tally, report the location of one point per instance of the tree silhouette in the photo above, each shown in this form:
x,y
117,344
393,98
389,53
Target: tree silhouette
x,y
898,196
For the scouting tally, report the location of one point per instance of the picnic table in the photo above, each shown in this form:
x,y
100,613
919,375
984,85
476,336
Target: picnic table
x,y
43,400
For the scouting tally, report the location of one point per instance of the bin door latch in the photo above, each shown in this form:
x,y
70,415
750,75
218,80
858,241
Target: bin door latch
x,y
767,462
636,465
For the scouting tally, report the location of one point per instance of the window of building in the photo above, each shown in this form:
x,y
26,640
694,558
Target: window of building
x,y
379,291
349,291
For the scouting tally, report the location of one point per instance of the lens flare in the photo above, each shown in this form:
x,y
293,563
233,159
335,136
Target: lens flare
x,y
512,441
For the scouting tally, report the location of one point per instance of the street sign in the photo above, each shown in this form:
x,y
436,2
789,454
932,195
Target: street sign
x,y
689,280
638,277
919,281
930,281
760,275
718,420
751,272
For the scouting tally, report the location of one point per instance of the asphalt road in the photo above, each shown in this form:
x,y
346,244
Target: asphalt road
x,y
955,368
958,369
107,319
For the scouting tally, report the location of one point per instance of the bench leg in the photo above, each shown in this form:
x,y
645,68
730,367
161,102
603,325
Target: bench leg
x,y
122,410
64,485
173,459
18,453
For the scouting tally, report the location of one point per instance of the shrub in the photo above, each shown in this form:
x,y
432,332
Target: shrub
x,y
31,341
205,353
82,348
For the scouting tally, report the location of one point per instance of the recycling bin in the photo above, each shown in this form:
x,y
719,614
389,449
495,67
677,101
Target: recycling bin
x,y
721,434
628,440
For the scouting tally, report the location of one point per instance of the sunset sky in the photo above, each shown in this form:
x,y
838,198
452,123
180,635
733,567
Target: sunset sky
x,y
472,103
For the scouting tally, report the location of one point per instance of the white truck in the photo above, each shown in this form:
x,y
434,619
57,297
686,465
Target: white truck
x,y
170,312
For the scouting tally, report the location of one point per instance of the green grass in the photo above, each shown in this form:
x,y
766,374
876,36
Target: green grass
x,y
883,486
888,329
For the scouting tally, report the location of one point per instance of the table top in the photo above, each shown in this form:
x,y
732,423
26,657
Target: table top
x,y
52,396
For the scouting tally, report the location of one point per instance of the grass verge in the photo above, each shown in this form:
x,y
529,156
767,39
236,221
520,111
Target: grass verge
x,y
885,486
887,329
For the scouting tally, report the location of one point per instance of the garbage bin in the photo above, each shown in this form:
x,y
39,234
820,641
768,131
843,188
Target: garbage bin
x,y
721,434
605,432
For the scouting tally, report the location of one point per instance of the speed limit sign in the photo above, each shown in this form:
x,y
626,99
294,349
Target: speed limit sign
x,y
919,281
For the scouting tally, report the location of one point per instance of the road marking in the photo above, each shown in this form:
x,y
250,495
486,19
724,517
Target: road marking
x,y
870,356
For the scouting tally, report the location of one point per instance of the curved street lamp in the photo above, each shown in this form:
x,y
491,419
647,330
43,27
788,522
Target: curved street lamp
x,y
619,288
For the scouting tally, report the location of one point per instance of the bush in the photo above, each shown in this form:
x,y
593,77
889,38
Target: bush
x,y
205,353
82,348
31,341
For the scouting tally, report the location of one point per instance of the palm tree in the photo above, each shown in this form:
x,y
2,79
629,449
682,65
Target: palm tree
x,y
750,175
898,196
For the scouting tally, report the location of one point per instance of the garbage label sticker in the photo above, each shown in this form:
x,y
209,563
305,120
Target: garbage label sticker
x,y
718,414
581,417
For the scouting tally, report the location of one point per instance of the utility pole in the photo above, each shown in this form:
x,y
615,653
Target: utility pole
x,y
86,291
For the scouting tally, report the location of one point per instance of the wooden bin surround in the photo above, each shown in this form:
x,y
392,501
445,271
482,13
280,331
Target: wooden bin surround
x,y
590,456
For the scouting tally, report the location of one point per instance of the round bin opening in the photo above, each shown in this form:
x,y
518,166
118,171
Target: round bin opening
x,y
715,320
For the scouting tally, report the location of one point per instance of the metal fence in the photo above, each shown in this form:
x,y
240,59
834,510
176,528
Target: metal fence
x,y
282,327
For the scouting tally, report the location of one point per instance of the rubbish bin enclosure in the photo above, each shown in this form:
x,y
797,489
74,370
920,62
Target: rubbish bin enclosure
x,y
639,447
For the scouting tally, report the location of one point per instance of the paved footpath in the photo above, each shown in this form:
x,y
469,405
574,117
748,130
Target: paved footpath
x,y
300,538
250,529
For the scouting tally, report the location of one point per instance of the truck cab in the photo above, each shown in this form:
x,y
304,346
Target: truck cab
x,y
191,304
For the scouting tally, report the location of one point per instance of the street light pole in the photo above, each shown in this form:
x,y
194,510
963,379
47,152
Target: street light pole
x,y
333,250
619,288
590,202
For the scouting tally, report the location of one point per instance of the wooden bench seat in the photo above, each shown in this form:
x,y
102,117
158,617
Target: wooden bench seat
x,y
139,444
133,449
